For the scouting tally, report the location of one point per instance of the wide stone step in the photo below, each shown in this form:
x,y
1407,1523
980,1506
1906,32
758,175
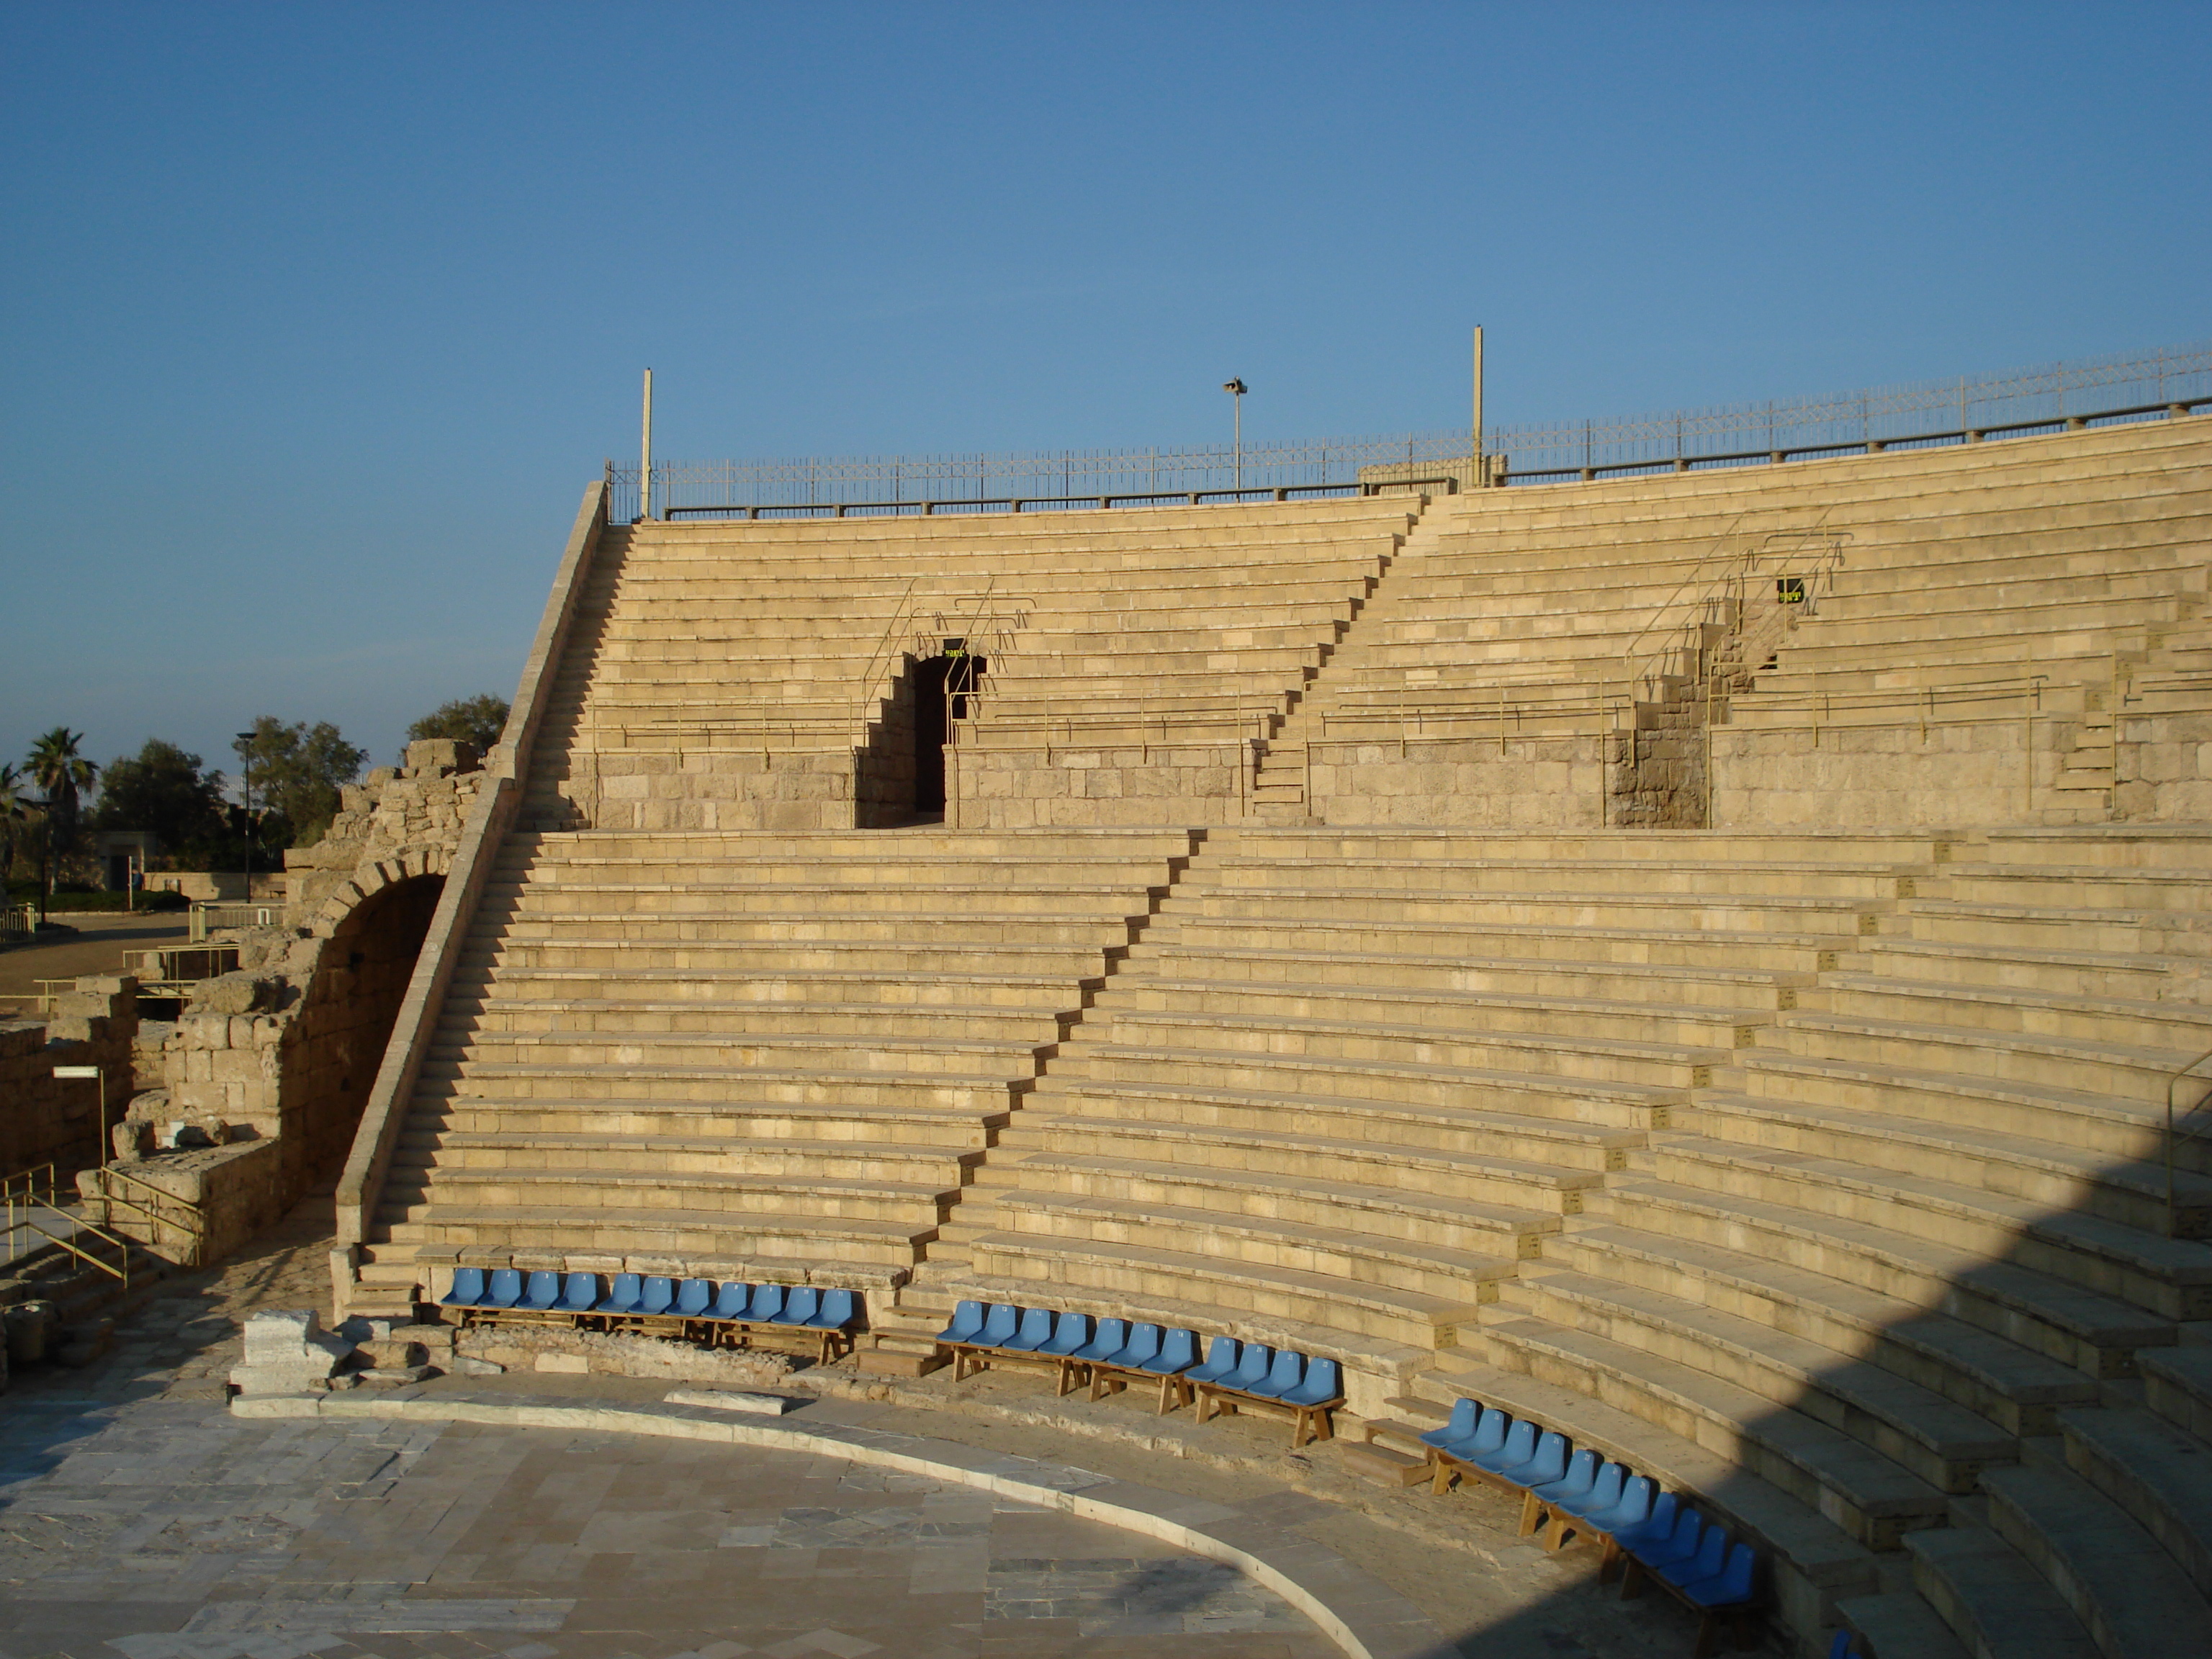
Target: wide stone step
x,y
1995,1602
713,899
494,1020
2133,1599
2132,1071
487,1054
1441,1143
841,1116
475,988
664,934
1397,1081
773,1245
1597,942
872,961
1867,1495
1562,910
2032,928
733,1088
1222,1042
1293,1010
2097,1336
1321,1250
885,868
2177,1386
2153,1471
1943,1443
1375,974
901,1206
1240,1293
1402,1213
2018,1389
1690,874
2046,1171
2169,1278
2015,1009
936,1169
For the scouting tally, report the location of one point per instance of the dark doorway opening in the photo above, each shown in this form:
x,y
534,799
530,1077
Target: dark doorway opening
x,y
945,690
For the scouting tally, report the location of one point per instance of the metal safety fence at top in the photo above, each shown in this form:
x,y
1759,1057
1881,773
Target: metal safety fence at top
x,y
1892,416
887,483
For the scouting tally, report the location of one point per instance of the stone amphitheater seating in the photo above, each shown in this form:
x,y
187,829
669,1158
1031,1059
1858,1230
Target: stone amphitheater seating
x,y
1815,1176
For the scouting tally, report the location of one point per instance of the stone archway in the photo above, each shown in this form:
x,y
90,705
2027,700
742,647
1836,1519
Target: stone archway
x,y
338,1035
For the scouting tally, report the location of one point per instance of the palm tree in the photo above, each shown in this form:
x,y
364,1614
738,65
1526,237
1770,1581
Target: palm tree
x,y
14,816
62,772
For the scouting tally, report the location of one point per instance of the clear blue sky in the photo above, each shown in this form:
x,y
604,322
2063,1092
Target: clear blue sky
x,y
319,318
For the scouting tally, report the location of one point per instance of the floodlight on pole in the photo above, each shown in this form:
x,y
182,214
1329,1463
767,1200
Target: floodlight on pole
x,y
1235,389
645,454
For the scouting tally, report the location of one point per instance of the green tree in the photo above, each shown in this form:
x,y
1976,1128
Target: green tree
x,y
478,720
57,767
162,789
295,774
16,816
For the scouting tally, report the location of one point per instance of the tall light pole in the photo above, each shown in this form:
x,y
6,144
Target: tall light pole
x,y
1478,480
245,787
644,455
1235,389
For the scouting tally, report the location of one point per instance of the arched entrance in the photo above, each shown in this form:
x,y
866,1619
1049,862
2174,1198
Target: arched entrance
x,y
347,1020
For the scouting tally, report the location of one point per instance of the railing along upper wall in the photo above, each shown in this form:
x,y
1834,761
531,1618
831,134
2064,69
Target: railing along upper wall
x,y
1926,412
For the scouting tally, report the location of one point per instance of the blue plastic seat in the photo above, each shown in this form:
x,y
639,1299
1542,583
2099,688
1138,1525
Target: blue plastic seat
x,y
622,1293
1518,1446
1464,1413
1000,1323
800,1304
1319,1388
1068,1336
467,1288
731,1303
835,1313
1285,1374
1220,1361
541,1291
1711,1557
581,1295
1488,1440
1680,1545
1576,1482
1178,1352
505,1288
1252,1368
1035,1332
694,1297
1113,1333
966,1323
1841,1647
1632,1508
1604,1492
1549,1462
1656,1527
1143,1343
1730,1587
767,1304
660,1293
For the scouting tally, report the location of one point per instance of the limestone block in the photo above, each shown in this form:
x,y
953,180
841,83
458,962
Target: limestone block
x,y
288,1351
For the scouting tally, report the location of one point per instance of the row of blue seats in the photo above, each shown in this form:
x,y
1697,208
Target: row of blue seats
x,y
1250,1369
1580,1492
632,1296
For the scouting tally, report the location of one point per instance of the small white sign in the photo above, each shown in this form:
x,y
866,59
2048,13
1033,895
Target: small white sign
x,y
76,1071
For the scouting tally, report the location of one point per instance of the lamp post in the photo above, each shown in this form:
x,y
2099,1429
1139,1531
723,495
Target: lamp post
x,y
245,787
1236,391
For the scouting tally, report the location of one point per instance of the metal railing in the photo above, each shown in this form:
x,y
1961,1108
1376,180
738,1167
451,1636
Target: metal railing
x,y
1962,409
209,914
17,923
38,1216
2178,1130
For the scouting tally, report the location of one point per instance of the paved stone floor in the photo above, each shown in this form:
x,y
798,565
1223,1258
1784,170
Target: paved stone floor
x,y
170,1530
139,1520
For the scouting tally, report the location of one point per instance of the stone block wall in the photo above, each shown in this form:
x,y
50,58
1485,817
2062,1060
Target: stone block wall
x,y
1528,783
2162,768
49,1119
1128,785
1944,775
713,788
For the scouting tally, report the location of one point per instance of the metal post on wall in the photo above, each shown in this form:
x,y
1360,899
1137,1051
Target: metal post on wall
x,y
644,455
1235,389
1477,480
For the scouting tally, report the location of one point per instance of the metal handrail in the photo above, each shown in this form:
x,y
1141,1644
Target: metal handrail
x,y
882,654
2174,1136
22,1191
